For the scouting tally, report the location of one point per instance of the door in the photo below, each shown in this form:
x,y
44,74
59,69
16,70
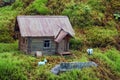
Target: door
x,y
62,46
65,45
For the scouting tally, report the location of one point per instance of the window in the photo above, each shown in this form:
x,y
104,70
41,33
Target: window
x,y
47,44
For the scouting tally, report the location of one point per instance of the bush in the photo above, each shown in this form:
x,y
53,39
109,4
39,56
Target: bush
x,y
114,56
111,23
38,7
12,67
76,43
27,2
10,71
18,4
57,6
16,66
79,13
100,37
110,57
7,22
84,74
5,47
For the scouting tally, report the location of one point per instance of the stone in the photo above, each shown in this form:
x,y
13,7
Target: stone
x,y
56,69
66,66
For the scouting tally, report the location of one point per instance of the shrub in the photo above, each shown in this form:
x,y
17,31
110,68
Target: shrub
x,y
114,56
84,74
27,2
76,43
79,13
38,7
12,67
96,5
111,23
100,37
5,47
18,4
57,6
7,21
10,71
110,57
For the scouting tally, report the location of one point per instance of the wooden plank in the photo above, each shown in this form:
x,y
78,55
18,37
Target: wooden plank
x,y
65,53
37,44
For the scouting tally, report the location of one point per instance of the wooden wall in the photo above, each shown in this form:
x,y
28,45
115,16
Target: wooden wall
x,y
31,45
23,44
37,44
63,46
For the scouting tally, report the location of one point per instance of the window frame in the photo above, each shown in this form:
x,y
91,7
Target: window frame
x,y
48,43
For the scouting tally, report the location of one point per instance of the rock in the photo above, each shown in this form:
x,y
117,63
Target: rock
x,y
56,69
66,66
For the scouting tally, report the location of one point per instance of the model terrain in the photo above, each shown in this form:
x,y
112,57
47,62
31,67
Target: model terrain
x,y
96,24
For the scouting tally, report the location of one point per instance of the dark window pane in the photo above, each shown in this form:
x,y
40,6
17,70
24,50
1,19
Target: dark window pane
x,y
47,43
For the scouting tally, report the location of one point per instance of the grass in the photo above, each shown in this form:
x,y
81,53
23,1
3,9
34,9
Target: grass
x,y
10,47
94,37
16,65
11,67
100,31
110,57
7,18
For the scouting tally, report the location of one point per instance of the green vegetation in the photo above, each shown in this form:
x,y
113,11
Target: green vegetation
x,y
9,67
100,37
10,47
111,57
37,7
96,24
16,65
7,21
117,16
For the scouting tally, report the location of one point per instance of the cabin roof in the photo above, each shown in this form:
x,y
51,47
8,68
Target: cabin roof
x,y
60,36
39,26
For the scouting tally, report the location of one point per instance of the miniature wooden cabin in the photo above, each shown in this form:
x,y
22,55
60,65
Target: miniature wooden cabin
x,y
48,34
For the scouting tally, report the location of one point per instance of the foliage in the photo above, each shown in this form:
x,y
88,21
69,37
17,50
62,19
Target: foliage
x,y
7,18
57,7
8,47
75,43
10,70
76,74
100,37
38,7
27,2
15,65
80,14
12,66
110,57
111,23
84,13
18,4
117,16
94,27
97,5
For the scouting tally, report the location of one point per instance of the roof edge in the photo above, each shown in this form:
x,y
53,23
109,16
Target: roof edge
x,y
41,16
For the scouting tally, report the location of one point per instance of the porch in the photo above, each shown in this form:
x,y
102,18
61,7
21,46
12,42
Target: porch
x,y
65,53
